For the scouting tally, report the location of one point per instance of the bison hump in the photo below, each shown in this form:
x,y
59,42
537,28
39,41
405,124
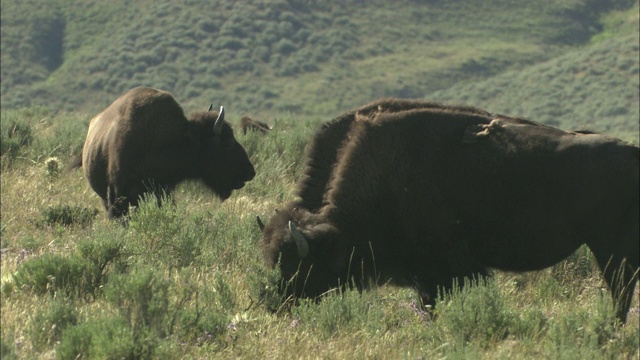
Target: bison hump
x,y
148,115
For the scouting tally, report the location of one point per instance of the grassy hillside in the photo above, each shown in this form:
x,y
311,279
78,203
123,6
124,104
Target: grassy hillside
x,y
593,89
273,56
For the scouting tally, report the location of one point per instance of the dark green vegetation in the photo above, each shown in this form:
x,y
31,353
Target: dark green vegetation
x,y
187,281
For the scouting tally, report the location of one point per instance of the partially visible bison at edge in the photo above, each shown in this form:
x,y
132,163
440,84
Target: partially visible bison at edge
x,y
422,195
143,142
248,124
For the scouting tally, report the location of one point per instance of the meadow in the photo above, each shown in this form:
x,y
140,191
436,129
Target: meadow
x,y
189,281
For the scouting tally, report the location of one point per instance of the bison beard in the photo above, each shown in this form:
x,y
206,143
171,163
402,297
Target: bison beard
x,y
424,197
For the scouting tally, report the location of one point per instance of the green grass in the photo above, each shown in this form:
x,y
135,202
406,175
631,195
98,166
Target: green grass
x,y
188,281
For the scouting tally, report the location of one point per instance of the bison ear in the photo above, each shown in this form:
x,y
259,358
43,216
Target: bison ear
x,y
217,125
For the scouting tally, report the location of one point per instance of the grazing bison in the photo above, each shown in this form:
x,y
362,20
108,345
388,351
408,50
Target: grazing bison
x,y
247,124
426,195
143,143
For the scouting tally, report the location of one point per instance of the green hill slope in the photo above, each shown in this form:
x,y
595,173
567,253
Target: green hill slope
x,y
593,89
267,57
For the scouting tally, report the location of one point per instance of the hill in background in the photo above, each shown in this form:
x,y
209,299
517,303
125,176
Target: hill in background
x,y
591,89
549,59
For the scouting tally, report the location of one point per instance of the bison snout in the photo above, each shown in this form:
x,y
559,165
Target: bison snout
x,y
251,174
248,176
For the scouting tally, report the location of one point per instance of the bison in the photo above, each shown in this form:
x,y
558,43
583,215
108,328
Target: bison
x,y
143,142
247,124
425,196
322,151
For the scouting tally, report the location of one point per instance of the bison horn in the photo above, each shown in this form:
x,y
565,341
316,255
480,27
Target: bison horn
x,y
260,223
217,126
301,241
210,107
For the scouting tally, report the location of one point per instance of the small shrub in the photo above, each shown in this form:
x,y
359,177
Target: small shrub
x,y
347,311
29,243
76,343
202,324
105,338
550,289
47,325
16,136
142,298
566,335
476,312
160,234
264,285
51,273
531,324
52,168
196,312
66,215
7,349
103,253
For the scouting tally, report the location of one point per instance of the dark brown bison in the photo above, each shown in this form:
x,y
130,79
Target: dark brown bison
x,y
424,197
247,124
322,151
144,143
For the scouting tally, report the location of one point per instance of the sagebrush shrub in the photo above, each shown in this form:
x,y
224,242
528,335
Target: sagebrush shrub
x,y
47,325
51,273
66,215
475,312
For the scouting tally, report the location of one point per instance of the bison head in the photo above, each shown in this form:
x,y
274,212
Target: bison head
x,y
310,254
216,148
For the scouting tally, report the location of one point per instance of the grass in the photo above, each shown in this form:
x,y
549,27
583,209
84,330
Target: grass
x,y
188,281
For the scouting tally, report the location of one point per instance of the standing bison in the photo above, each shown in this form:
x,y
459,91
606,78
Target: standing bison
x,y
424,196
144,143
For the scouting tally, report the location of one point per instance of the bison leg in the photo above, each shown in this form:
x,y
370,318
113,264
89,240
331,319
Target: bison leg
x,y
428,290
120,198
621,275
620,265
116,204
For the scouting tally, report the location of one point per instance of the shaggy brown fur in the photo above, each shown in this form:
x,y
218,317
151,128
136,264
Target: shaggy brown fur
x,y
428,194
